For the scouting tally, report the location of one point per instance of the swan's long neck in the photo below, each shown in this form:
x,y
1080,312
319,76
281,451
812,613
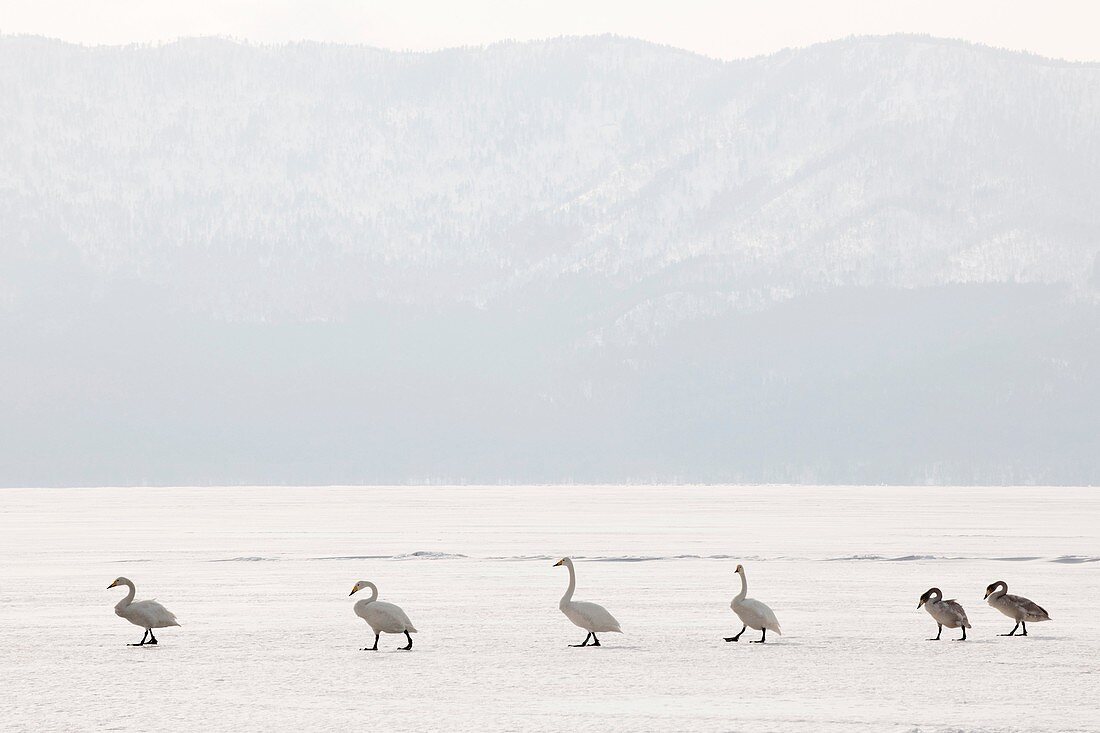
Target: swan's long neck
x,y
744,587
572,583
373,592
999,589
935,596
129,596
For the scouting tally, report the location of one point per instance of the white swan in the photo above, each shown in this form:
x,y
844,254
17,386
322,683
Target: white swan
x,y
148,615
752,613
946,613
1018,608
381,616
592,617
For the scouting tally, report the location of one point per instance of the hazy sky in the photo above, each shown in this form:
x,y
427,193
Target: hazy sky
x,y
731,29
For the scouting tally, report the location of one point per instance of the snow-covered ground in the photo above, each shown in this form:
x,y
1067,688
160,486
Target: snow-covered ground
x,y
259,578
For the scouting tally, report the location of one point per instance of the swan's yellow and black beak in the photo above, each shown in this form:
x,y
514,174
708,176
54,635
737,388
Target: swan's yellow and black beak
x,y
559,562
354,591
920,603
112,585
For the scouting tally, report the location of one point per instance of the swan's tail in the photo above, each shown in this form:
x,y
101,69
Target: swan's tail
x,y
410,628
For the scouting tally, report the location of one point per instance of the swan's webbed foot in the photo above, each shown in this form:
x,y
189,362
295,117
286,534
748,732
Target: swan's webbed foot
x,y
763,635
410,644
595,641
372,648
584,643
143,638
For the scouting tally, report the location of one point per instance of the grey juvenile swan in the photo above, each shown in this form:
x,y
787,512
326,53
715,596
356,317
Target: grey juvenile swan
x,y
946,613
1018,608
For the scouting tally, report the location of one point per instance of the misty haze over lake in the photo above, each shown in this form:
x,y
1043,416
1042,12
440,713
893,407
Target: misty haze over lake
x,y
587,259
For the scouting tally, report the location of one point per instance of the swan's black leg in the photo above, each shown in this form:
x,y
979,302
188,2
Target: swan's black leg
x,y
735,638
939,630
410,646
1024,624
143,637
763,634
595,641
152,639
373,648
964,635
585,640
1013,632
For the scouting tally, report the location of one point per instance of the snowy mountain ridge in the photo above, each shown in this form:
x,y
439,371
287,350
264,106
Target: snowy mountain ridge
x,y
298,182
588,259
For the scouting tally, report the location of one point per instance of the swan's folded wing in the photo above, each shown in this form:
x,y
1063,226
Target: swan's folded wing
x,y
596,615
761,610
393,618
956,610
1034,611
152,614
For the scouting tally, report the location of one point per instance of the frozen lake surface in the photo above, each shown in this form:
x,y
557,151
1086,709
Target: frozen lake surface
x,y
259,578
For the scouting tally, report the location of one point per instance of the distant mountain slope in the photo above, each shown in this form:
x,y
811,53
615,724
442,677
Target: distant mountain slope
x,y
548,261
294,182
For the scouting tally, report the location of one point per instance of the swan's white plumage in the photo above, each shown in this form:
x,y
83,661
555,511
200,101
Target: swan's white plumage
x,y
589,616
382,617
752,612
146,614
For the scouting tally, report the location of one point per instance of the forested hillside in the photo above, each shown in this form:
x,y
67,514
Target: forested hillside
x,y
585,259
